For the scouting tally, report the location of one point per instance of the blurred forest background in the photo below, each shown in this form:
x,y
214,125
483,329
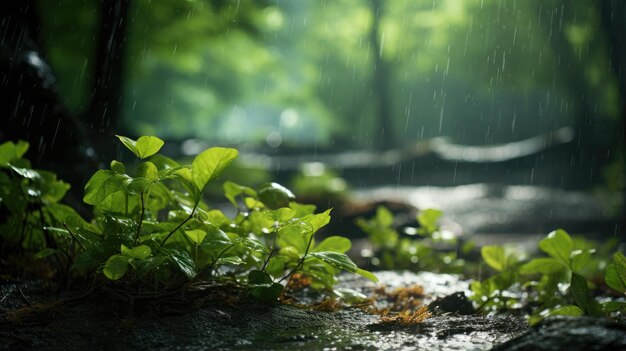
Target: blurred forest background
x,y
312,77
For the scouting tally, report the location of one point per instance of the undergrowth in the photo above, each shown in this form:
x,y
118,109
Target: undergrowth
x,y
153,233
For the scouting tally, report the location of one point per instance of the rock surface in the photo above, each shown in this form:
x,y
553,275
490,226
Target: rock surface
x,y
570,333
249,325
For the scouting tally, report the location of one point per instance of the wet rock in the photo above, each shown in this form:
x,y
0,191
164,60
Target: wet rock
x,y
571,333
456,303
247,325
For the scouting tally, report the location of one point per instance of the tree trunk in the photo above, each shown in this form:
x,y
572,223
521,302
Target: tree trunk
x,y
107,87
30,106
380,83
614,23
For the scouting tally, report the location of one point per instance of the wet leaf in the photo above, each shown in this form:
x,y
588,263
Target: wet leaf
x,y
543,266
118,167
116,266
196,235
335,259
102,184
494,256
144,147
335,244
559,245
140,252
275,196
210,163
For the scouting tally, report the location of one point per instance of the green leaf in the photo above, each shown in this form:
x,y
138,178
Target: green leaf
x,y
319,220
45,253
275,196
148,170
614,306
196,235
232,190
494,256
118,167
164,164
428,219
102,184
231,260
263,287
613,279
216,238
367,274
183,261
544,265
384,217
335,244
580,294
335,259
259,277
559,245
302,210
567,310
276,265
10,152
26,172
210,163
580,259
148,146
144,147
116,266
291,236
350,296
267,293
140,252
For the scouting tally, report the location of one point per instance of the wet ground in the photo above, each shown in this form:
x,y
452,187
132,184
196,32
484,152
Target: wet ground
x,y
507,209
248,325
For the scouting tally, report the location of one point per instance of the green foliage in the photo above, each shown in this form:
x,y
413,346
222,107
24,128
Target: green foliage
x,y
435,250
30,206
319,184
554,285
615,274
151,226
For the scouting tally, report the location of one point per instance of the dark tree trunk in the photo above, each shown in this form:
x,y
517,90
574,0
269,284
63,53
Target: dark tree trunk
x,y
380,84
595,134
107,87
30,106
614,22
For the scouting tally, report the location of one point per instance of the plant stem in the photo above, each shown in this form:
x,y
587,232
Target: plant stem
x,y
210,266
271,253
308,246
74,236
195,206
143,209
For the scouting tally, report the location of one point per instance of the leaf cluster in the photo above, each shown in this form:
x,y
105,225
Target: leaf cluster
x,y
152,229
428,247
30,208
559,283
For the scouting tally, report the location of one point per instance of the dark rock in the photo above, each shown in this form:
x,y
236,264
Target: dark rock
x,y
456,303
571,333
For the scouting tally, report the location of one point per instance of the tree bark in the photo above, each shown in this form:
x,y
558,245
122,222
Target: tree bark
x,y
613,14
380,83
30,105
107,87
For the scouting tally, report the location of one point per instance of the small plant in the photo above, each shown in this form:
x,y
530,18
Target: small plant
x,y
30,207
434,250
152,231
553,285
